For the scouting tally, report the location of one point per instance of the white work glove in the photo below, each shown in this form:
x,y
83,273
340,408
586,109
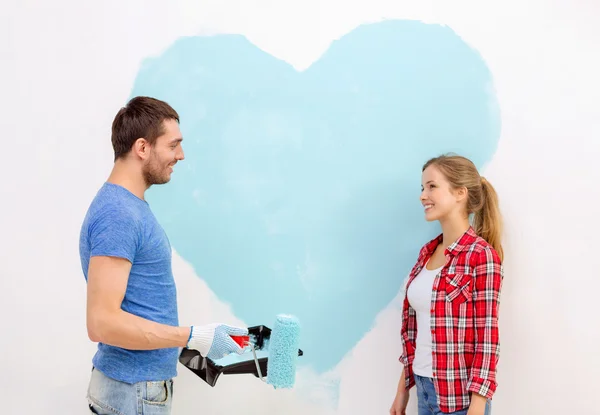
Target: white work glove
x,y
214,341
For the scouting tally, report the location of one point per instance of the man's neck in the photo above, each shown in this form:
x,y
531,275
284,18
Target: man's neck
x,y
128,177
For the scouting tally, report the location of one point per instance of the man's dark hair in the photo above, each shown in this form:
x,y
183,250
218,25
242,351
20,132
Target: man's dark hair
x,y
142,117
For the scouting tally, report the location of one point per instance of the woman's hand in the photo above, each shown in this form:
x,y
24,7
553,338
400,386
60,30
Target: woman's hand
x,y
478,404
400,403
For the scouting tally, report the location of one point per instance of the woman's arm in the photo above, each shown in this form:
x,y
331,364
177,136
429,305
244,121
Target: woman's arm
x,y
486,300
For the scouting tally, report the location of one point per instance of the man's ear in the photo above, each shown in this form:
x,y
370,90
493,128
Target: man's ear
x,y
141,148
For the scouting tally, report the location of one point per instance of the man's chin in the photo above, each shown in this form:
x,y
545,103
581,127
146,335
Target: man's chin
x,y
162,180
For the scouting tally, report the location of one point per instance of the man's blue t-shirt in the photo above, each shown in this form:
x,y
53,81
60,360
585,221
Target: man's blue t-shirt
x,y
119,224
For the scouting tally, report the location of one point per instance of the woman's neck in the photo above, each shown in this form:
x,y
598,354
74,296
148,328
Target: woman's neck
x,y
453,229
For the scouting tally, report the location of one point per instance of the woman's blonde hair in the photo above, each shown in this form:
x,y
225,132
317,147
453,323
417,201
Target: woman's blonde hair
x,y
482,197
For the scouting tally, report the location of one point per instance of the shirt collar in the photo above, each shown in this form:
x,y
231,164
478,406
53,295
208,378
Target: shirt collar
x,y
455,247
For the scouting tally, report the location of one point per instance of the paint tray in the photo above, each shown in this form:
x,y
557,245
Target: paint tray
x,y
209,370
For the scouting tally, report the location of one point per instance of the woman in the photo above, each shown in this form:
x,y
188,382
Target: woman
x,y
450,343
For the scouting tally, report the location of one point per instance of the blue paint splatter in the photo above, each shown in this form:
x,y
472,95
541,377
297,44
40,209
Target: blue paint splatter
x,y
299,192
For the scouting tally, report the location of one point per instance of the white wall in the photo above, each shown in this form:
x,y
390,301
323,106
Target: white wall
x,y
68,66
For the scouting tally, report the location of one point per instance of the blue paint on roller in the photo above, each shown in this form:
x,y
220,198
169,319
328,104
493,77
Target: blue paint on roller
x,y
283,352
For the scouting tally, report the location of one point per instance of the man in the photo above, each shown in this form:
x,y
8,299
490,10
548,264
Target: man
x,y
126,259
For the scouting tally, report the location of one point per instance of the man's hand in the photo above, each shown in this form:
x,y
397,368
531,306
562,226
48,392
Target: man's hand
x,y
214,340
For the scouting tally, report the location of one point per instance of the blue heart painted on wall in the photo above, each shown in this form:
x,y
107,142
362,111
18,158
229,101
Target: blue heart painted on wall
x,y
299,192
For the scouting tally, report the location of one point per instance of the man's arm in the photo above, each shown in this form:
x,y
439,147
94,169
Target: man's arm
x,y
109,324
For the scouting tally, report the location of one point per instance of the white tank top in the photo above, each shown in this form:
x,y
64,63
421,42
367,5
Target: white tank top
x,y
419,297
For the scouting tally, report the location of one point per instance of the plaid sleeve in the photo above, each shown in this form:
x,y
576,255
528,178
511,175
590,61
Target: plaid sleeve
x,y
408,333
489,274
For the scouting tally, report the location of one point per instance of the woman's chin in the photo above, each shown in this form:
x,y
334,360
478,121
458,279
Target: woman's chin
x,y
430,216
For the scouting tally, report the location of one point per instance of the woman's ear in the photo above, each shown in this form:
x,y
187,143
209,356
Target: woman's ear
x,y
461,194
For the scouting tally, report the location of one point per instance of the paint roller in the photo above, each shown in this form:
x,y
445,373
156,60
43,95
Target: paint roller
x,y
270,355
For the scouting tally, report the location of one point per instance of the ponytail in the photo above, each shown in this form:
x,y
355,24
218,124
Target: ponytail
x,y
488,220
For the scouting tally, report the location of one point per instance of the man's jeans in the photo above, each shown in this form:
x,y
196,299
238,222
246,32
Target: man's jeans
x,y
107,396
427,399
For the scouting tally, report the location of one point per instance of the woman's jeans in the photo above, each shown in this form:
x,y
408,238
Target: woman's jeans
x,y
427,399
107,396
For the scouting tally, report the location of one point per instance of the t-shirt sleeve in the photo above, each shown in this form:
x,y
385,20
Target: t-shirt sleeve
x,y
115,233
